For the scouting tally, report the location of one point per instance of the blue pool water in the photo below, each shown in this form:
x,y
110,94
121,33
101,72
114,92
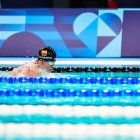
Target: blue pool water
x,y
22,97
85,74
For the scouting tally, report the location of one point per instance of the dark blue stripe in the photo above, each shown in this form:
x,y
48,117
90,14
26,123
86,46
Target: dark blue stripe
x,y
40,27
38,12
67,93
1,42
12,27
12,12
66,19
72,11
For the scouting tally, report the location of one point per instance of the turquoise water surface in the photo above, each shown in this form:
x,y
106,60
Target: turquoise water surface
x,y
30,88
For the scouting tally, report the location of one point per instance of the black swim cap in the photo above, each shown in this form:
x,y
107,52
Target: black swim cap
x,y
47,54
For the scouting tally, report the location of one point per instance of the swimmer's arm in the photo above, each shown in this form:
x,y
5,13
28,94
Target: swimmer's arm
x,y
31,72
16,71
27,72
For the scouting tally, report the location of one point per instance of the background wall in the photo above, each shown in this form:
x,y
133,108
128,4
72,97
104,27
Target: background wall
x,y
79,33
69,3
53,3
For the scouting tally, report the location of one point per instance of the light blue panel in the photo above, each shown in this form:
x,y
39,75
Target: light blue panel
x,y
104,30
113,49
60,48
39,19
83,21
129,9
5,34
12,19
89,37
48,35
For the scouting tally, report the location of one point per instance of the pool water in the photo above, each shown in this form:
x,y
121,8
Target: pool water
x,y
84,74
68,105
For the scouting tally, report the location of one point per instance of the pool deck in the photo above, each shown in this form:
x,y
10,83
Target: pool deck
x,y
16,61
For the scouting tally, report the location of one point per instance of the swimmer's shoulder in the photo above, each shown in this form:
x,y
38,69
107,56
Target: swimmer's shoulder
x,y
29,64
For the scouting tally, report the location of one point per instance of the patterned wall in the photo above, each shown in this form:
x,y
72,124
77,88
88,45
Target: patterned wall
x,y
79,33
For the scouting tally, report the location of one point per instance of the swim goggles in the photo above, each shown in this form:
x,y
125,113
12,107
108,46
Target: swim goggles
x,y
51,62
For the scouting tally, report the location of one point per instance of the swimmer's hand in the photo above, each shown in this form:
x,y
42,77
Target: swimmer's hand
x,y
15,72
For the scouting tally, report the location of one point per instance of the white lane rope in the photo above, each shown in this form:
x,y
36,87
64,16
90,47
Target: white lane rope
x,y
68,130
75,61
71,111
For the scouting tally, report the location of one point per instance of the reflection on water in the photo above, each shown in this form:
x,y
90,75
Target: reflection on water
x,y
84,74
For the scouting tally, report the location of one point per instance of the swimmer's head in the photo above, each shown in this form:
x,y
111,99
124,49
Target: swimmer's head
x,y
47,54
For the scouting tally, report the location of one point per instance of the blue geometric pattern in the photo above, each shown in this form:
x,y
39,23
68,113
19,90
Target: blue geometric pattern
x,y
112,49
112,20
104,29
71,32
84,30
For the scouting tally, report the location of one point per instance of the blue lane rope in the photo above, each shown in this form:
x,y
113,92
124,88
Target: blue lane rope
x,y
70,80
69,93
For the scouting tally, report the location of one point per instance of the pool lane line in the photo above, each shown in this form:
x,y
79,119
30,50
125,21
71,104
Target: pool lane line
x,y
67,130
78,80
75,93
71,111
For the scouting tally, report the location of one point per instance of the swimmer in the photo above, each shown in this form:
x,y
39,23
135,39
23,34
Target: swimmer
x,y
44,64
